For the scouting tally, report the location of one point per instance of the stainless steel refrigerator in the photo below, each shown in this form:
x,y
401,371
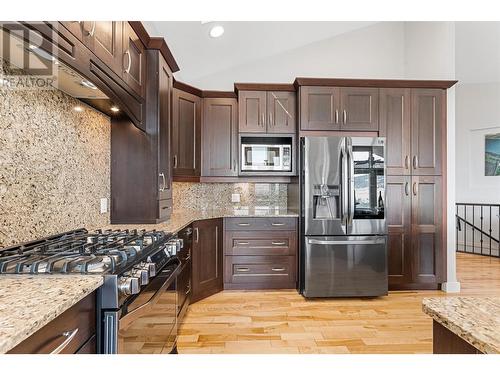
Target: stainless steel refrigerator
x,y
343,217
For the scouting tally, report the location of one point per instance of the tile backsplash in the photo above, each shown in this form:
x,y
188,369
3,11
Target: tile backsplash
x,y
54,164
187,195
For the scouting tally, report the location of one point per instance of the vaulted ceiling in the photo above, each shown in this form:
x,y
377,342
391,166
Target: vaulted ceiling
x,y
199,55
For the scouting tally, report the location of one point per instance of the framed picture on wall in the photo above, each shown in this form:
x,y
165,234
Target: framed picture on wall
x,y
492,155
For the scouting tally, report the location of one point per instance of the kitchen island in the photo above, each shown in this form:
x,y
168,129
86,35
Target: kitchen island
x,y
464,325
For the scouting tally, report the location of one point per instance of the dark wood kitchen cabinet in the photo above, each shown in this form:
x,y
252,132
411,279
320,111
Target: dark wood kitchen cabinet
x,y
207,258
427,226
359,107
141,167
72,332
395,108
319,108
428,126
104,39
415,238
186,134
266,112
133,60
220,137
252,111
339,108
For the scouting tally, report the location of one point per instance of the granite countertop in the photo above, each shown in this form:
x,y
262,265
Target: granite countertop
x,y
27,303
181,218
474,319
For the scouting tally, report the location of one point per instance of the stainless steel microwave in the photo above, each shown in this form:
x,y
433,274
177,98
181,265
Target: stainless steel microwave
x,y
265,157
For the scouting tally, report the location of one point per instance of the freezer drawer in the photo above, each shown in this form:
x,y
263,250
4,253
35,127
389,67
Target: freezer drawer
x,y
345,266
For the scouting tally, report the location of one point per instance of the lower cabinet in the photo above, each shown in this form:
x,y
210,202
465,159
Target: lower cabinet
x,y
263,256
207,262
416,251
72,332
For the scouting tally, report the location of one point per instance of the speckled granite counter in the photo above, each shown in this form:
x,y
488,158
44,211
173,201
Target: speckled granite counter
x,y
27,303
180,218
474,319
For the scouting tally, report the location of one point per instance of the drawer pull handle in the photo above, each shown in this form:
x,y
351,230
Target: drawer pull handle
x,y
242,269
277,224
277,269
244,224
70,335
243,243
278,243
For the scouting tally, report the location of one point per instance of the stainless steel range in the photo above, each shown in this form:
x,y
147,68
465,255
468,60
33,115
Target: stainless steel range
x,y
138,302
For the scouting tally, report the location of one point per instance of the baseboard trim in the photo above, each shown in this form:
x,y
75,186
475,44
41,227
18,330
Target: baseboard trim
x,y
451,287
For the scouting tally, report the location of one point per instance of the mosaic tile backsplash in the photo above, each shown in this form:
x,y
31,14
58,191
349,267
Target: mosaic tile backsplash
x,y
199,196
54,164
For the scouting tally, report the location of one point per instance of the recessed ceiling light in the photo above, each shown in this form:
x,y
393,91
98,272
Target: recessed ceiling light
x,y
78,108
115,109
216,31
88,84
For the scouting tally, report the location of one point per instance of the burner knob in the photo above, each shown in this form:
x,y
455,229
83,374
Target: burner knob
x,y
150,267
128,285
141,274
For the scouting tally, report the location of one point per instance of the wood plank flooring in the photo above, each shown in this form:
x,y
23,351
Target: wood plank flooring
x,y
284,322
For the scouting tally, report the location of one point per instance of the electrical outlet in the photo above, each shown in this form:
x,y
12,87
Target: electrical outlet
x,y
235,198
104,205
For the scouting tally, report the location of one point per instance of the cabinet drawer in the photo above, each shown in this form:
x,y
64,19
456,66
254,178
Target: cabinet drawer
x,y
78,320
259,272
260,243
164,208
260,223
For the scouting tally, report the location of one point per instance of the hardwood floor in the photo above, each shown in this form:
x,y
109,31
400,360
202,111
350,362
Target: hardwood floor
x,y
285,322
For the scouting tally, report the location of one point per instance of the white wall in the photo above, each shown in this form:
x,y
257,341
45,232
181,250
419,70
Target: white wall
x,y
372,52
478,113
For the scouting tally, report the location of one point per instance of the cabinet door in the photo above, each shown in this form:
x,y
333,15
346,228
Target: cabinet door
x,y
133,60
427,219
207,258
428,125
252,111
359,108
398,203
164,151
75,28
186,132
395,127
281,112
104,38
219,137
319,108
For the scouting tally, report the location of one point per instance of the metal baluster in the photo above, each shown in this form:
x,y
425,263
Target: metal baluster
x,y
465,231
481,240
490,230
473,228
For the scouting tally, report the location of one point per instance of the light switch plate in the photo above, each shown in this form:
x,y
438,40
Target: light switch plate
x,y
235,198
104,205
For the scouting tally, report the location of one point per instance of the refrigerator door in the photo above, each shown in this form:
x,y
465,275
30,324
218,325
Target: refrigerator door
x,y
345,266
367,181
325,189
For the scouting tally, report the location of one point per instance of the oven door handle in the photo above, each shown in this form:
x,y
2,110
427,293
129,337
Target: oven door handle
x,y
130,317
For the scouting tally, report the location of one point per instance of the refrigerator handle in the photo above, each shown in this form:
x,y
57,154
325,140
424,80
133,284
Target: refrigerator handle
x,y
344,185
376,241
351,181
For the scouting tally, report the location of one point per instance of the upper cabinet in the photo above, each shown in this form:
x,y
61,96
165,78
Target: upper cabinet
x,y
413,122
133,60
428,124
266,111
339,108
186,134
104,38
220,137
